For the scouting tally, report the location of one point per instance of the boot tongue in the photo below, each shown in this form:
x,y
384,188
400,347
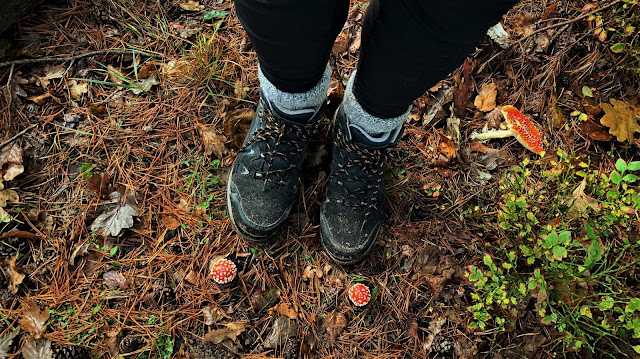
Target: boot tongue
x,y
298,116
382,140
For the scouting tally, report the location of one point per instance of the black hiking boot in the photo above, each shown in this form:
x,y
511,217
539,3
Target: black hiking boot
x,y
353,207
264,178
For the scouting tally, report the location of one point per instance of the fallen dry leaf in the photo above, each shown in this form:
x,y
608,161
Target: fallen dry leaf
x,y
76,90
558,119
12,273
486,99
40,99
175,69
621,120
595,130
34,320
334,323
171,222
192,6
37,349
213,142
115,75
435,327
144,85
10,162
7,195
114,279
237,124
80,250
341,44
99,184
283,328
116,216
580,201
284,309
231,331
212,315
6,341
51,73
411,328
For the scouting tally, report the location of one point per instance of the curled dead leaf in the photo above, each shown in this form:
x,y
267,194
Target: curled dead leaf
x,y
213,142
284,309
192,6
595,130
114,279
334,323
486,99
212,315
411,328
13,275
76,90
10,162
580,201
7,195
231,331
237,124
34,320
116,216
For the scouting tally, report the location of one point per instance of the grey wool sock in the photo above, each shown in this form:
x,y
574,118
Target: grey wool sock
x,y
295,103
372,125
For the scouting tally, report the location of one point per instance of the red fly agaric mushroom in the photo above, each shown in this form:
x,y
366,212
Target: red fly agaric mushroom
x,y
359,294
223,271
518,126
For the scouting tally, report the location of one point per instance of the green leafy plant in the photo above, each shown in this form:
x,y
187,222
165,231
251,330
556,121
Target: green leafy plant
x,y
564,246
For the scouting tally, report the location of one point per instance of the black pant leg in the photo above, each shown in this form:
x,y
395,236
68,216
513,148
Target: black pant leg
x,y
292,38
410,45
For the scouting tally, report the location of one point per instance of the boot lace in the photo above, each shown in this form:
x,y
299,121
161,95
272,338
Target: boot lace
x,y
359,189
283,147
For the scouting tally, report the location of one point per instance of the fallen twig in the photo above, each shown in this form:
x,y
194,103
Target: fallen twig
x,y
569,21
75,57
17,135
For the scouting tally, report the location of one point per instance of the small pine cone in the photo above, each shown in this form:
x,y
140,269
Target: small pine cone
x,y
129,344
166,295
70,352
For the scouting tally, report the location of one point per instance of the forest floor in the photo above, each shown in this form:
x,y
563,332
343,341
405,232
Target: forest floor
x,y
120,120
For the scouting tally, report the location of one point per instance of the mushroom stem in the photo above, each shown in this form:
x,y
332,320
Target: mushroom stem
x,y
491,134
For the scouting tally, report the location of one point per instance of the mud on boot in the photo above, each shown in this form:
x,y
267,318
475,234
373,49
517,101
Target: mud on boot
x,y
264,179
353,206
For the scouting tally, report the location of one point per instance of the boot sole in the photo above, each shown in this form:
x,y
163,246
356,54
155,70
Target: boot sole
x,y
349,261
245,236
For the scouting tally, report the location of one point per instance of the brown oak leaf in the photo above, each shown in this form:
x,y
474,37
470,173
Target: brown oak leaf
x,y
621,120
231,331
213,142
34,320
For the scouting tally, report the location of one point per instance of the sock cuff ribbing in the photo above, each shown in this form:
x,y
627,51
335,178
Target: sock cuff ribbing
x,y
359,116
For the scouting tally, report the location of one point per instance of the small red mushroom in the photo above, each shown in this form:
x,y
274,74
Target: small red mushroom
x,y
518,126
359,294
223,271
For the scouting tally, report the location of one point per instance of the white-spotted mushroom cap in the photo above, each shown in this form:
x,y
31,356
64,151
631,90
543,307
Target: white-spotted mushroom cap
x,y
359,294
223,271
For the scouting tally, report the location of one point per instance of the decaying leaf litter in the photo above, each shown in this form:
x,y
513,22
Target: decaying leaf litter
x,y
113,204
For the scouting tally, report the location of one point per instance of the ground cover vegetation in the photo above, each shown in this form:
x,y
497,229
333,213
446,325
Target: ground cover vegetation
x,y
119,121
